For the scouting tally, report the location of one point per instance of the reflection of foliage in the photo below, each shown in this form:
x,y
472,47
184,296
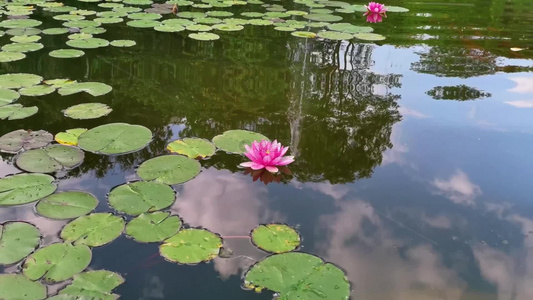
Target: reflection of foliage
x,y
459,92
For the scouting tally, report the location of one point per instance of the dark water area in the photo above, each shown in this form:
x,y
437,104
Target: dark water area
x,y
412,163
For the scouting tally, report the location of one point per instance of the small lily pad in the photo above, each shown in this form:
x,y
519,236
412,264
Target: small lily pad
x,y
169,169
92,88
57,262
70,137
208,21
17,240
127,9
115,138
93,230
68,17
25,38
22,47
66,205
23,31
284,28
11,56
335,35
20,23
90,43
87,111
173,22
138,2
219,13
79,36
93,30
140,197
369,36
233,141
55,31
109,20
153,227
8,96
191,246
323,17
19,80
192,147
190,15
275,238
169,28
204,36
260,22
66,53
228,27
21,139
143,23
92,285
37,90
17,111
16,287
144,16
304,34
123,43
199,27
252,14
81,24
50,159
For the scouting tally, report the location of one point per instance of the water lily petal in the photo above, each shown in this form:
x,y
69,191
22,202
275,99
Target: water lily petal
x,y
271,169
247,164
256,166
286,160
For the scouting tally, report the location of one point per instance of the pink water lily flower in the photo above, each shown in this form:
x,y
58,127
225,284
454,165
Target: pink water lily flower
x,y
375,12
374,18
267,155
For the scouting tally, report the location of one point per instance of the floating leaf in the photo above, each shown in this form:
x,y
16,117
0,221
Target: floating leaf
x,y
284,28
16,287
199,27
169,28
20,23
204,36
140,197
11,56
93,30
516,49
68,17
81,24
22,47
260,22
93,230
123,43
90,43
304,34
24,139
228,27
252,14
173,22
109,20
17,112
209,21
8,96
192,147
299,276
219,14
191,15
127,9
59,83
23,31
57,262
87,111
275,238
138,2
25,38
115,138
70,137
80,36
50,159
335,35
66,53
19,80
55,31
349,28
233,141
83,12
393,8
153,227
191,246
66,205
92,88
17,240
323,17
144,16
37,90
321,11
236,21
92,285
169,169
369,36
143,23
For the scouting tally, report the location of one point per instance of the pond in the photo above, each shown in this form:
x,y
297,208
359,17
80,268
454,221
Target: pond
x,y
411,139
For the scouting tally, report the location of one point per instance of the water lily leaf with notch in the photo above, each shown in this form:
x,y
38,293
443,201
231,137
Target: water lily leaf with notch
x,y
22,47
86,111
17,286
93,230
219,13
323,17
92,285
304,34
284,28
79,36
112,14
153,227
93,30
191,246
173,22
59,83
17,240
236,21
66,53
228,27
192,147
17,140
233,141
11,56
115,138
208,21
369,36
143,23
19,80
8,96
70,137
169,28
335,35
57,262
20,23
393,8
17,112
66,205
25,38
169,169
81,24
83,12
349,28
92,88
199,27
127,9
191,15
321,11
109,20
23,31
140,197
55,31
37,90
144,16
50,159
298,276
138,2
275,238
90,43
252,14
123,43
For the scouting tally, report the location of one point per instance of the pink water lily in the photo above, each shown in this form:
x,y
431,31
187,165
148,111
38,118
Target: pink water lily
x,y
375,12
374,18
267,155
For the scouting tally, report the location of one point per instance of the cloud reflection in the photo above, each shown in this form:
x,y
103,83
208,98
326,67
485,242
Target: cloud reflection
x,y
458,188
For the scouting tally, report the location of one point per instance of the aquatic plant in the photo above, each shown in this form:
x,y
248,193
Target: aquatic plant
x,y
267,155
375,12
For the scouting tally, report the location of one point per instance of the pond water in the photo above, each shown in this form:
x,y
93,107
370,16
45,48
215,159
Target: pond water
x,y
412,163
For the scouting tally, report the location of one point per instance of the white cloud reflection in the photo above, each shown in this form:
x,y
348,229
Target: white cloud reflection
x,y
458,188
524,85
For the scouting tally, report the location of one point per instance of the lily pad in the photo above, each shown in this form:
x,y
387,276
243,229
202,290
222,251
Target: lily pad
x,y
393,8
90,43
144,16
219,13
204,36
190,15
169,169
191,246
8,96
323,17
260,22
349,28
21,139
275,238
304,34
140,197
20,23
284,28
138,2
92,285
55,31
173,22
208,21
153,227
23,31
57,262
37,90
86,111
335,35
11,56
22,47
66,53
70,137
66,205
298,276
59,83
369,36
68,17
50,159
123,43
17,112
228,27
25,38
109,20
233,141
252,14
127,9
115,138
192,147
16,287
93,30
143,23
81,24
92,88
199,27
17,240
93,230
19,80
79,36
169,28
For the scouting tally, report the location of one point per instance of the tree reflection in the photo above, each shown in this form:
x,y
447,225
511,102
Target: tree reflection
x,y
459,92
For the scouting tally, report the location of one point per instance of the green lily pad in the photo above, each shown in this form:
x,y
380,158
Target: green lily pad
x,y
393,8
115,138
278,15
169,28
70,137
23,31
19,80
68,17
60,9
192,147
25,38
92,285
298,276
358,8
260,22
37,90
349,28
90,43
57,262
21,139
233,141
153,227
11,56
199,27
252,14
190,15
208,21
79,36
127,9
335,35
144,16
219,13
20,23
228,27
236,21
93,30
169,169
87,111
140,197
16,287
173,22
323,17
8,96
110,5
55,31
344,10
204,36
59,83
143,23
66,205
369,36
50,159
109,20
138,2
336,3
321,11
284,28
17,240
123,43
81,24
17,112
275,238
297,13
66,53
112,14
191,246
22,47
93,230
92,88
83,12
